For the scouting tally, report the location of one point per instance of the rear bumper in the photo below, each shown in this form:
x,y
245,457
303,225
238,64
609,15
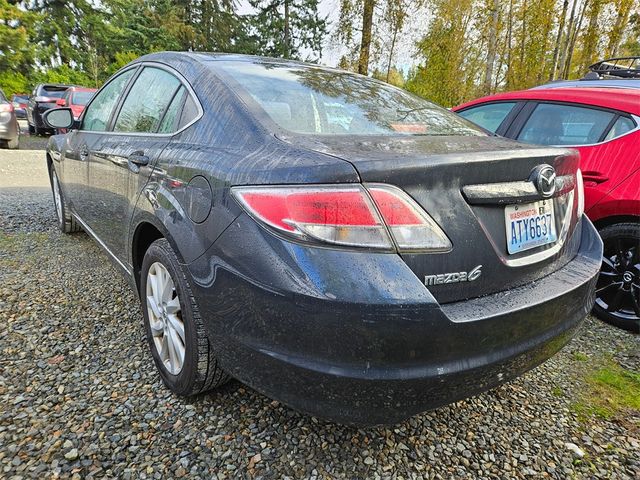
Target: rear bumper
x,y
363,344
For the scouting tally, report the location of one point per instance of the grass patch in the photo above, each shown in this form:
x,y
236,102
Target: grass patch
x,y
557,391
579,356
610,390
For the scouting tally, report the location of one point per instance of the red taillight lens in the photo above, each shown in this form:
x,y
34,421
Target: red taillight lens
x,y
411,227
6,107
346,215
341,215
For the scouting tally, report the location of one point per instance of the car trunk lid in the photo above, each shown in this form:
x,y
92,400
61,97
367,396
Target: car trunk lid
x,y
465,184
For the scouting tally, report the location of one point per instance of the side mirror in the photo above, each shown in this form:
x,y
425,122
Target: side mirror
x,y
61,102
58,118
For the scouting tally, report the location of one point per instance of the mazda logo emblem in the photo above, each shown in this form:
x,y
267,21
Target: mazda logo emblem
x,y
544,179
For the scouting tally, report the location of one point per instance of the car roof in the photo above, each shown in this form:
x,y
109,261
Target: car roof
x,y
593,83
82,89
627,100
209,59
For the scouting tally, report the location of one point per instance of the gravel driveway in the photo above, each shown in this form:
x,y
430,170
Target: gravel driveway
x,y
80,398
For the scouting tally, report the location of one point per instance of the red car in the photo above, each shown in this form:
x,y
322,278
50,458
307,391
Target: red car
x,y
76,98
604,126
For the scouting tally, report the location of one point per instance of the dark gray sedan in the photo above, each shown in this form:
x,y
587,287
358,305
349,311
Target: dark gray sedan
x,y
337,243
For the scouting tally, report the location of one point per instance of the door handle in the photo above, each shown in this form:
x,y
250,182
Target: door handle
x,y
137,160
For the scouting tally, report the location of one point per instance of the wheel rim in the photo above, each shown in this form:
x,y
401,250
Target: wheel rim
x,y
165,318
618,287
56,196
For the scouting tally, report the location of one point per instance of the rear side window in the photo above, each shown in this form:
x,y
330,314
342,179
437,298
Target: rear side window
x,y
170,120
488,116
189,112
146,102
554,124
620,127
97,115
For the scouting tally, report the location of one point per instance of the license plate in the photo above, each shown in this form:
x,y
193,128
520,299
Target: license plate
x,y
529,225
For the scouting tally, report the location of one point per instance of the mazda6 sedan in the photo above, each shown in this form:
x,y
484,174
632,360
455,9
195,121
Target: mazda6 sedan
x,y
334,242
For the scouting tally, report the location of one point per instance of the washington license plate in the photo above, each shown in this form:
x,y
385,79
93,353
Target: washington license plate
x,y
529,225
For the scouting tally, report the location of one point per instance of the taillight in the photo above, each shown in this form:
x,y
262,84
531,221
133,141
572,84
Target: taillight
x,y
340,215
411,227
6,107
345,215
580,192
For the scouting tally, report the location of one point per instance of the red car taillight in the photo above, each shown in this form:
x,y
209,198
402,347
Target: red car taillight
x,y
346,215
6,107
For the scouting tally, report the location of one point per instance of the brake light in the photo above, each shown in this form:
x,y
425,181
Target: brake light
x,y
345,215
6,107
341,215
410,226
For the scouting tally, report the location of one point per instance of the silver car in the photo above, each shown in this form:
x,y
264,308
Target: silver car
x,y
9,129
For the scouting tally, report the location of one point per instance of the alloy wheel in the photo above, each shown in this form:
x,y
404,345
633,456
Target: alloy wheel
x,y
165,318
618,287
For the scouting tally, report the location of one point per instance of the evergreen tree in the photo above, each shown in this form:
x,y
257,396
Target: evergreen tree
x,y
288,28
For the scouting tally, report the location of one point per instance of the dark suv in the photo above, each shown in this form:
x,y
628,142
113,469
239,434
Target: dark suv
x,y
43,97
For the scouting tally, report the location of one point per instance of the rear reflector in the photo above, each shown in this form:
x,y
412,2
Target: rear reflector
x,y
411,227
345,215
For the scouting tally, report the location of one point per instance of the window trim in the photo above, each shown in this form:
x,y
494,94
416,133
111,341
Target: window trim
x,y
140,66
526,114
509,118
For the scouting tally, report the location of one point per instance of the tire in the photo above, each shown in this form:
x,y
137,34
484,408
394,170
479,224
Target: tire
x,y
14,144
199,370
32,130
66,222
618,287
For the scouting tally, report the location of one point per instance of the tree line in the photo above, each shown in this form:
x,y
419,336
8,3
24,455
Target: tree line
x,y
464,48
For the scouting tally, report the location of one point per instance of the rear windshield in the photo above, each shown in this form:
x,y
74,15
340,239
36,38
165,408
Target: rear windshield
x,y
81,98
55,92
20,98
319,101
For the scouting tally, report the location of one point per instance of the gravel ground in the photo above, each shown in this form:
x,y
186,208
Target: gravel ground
x,y
79,396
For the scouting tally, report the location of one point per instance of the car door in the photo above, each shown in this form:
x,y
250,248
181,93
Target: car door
x,y
122,162
597,133
80,143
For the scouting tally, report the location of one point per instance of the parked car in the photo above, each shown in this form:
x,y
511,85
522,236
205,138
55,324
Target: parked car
x,y
623,72
362,269
9,129
603,124
20,104
43,98
76,98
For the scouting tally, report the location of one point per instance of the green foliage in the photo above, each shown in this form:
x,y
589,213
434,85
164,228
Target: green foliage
x,y
16,52
12,82
284,28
